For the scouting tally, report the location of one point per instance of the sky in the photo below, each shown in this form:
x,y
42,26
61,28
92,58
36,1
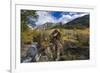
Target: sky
x,y
54,17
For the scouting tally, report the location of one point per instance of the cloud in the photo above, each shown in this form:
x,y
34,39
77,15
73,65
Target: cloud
x,y
46,16
66,17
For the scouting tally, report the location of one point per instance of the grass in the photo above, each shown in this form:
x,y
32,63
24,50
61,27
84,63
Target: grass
x,y
70,38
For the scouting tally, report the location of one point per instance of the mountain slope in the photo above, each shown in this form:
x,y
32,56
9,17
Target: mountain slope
x,y
81,22
84,21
